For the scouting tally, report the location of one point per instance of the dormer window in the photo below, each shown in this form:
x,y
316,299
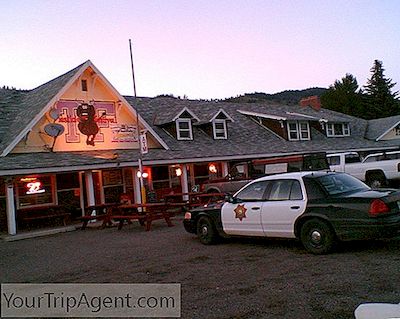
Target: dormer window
x,y
337,129
298,131
184,129
219,125
219,129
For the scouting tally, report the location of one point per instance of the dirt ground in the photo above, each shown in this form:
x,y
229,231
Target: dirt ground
x,y
250,278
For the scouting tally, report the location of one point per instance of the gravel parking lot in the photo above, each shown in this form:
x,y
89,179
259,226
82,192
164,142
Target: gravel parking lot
x,y
251,278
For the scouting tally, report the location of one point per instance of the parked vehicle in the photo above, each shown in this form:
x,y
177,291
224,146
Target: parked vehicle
x,y
377,170
243,172
319,208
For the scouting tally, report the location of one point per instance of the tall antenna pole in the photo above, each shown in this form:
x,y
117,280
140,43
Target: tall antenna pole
x,y
141,191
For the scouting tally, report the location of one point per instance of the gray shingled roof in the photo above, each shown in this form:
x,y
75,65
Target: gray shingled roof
x,y
246,138
18,108
378,127
244,135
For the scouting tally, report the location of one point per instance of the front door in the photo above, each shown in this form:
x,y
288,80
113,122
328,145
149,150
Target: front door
x,y
243,215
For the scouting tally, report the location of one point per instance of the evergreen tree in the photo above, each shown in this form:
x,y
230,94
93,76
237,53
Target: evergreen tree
x,y
344,96
379,100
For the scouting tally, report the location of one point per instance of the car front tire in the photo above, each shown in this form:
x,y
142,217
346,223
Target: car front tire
x,y
206,231
317,236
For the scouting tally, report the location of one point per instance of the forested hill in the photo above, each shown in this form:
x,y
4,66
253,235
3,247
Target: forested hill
x,y
289,97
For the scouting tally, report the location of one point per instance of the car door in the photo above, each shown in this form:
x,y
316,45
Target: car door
x,y
285,201
242,216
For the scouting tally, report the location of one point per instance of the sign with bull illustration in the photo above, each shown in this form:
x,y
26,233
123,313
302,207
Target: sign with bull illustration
x,y
94,125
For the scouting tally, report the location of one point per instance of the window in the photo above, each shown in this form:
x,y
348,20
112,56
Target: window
x,y
184,129
253,192
340,183
333,160
160,180
352,158
113,185
313,189
285,190
84,85
298,131
201,173
68,192
219,127
337,129
36,190
369,159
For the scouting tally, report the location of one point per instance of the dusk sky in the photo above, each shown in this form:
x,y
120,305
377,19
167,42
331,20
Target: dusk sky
x,y
201,49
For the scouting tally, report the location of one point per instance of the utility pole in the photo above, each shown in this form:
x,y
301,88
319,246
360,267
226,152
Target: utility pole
x,y
142,193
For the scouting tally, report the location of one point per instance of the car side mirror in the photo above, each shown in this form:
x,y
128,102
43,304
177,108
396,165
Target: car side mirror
x,y
230,199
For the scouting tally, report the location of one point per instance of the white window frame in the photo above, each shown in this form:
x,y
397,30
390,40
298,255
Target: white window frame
x,y
299,130
179,130
224,130
330,129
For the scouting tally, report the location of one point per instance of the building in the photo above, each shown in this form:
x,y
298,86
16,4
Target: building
x,y
74,141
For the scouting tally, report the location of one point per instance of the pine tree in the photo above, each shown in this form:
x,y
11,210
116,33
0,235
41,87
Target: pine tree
x,y
379,99
344,96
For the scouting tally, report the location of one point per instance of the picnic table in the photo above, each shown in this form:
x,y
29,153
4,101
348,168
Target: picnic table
x,y
99,212
144,213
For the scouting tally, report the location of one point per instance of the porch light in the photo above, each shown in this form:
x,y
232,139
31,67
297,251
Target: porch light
x,y
212,168
140,174
178,171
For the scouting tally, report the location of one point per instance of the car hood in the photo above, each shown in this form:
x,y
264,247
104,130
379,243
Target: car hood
x,y
210,206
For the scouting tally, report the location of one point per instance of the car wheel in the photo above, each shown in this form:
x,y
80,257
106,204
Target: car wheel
x,y
206,231
317,236
376,180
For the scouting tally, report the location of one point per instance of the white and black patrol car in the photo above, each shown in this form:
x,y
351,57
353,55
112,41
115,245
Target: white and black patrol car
x,y
319,208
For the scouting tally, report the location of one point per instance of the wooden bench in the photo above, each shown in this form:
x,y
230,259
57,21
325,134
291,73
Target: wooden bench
x,y
29,214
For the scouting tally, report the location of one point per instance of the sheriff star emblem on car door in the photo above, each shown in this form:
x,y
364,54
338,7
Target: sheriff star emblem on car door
x,y
240,212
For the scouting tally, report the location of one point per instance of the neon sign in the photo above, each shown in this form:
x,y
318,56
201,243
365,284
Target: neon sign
x,y
33,185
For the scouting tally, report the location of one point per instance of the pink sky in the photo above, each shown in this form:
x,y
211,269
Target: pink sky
x,y
202,49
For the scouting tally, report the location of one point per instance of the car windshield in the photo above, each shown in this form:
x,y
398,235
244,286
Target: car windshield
x,y
341,183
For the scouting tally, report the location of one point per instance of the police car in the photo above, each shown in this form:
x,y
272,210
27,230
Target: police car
x,y
319,208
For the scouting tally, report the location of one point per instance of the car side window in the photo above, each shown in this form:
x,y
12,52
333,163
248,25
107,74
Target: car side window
x,y
370,159
313,190
285,190
253,192
333,160
352,158
295,192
